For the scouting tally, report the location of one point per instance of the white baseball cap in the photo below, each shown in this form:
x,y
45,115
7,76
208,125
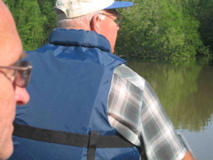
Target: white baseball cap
x,y
76,8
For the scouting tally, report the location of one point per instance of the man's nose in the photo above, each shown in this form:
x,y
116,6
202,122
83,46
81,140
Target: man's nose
x,y
21,96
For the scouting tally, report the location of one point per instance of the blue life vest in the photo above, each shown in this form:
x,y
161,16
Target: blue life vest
x,y
69,91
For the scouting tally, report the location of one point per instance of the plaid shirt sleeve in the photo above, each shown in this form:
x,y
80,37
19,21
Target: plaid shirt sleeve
x,y
134,110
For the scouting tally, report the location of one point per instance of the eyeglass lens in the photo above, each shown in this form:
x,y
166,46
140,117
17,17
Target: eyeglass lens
x,y
22,76
118,20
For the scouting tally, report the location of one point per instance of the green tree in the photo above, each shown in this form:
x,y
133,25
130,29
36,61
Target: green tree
x,y
166,29
30,22
204,15
159,29
48,14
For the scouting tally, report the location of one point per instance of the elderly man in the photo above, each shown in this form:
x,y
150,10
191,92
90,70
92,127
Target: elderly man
x,y
85,102
12,80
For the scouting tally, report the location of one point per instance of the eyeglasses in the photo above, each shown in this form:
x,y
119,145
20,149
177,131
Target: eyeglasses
x,y
21,74
117,20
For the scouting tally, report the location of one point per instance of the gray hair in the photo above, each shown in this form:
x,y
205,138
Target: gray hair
x,y
73,23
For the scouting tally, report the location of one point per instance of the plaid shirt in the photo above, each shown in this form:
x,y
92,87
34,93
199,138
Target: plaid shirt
x,y
134,110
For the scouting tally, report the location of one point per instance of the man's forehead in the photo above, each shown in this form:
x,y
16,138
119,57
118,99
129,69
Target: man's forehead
x,y
23,55
10,60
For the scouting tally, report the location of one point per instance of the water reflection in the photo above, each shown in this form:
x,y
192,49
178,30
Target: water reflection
x,y
201,142
185,90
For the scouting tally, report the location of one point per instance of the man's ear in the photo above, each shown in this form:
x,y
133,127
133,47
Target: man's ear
x,y
95,23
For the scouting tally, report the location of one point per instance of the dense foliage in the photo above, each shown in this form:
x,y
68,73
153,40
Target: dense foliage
x,y
167,29
34,19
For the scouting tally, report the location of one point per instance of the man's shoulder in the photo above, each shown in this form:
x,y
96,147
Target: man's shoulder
x,y
130,75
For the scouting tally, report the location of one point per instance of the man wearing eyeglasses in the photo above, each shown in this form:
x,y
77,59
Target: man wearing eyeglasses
x,y
13,79
85,102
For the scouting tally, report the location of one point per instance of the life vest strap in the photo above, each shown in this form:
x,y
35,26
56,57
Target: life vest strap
x,y
93,139
72,139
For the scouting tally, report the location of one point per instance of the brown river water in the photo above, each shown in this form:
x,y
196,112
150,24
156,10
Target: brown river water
x,y
186,93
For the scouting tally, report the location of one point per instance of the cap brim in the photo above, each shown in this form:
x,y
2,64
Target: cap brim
x,y
120,4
